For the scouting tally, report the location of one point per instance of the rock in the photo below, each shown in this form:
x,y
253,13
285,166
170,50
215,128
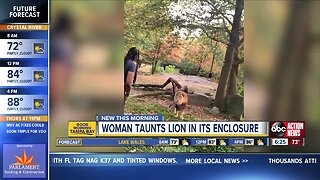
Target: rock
x,y
200,100
214,111
235,106
208,94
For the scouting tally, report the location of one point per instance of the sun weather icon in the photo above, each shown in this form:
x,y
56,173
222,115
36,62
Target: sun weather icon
x,y
222,142
260,142
38,104
185,142
38,48
38,76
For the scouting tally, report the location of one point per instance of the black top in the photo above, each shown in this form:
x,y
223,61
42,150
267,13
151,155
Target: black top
x,y
129,66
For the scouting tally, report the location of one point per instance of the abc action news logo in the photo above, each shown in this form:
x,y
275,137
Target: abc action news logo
x,y
287,129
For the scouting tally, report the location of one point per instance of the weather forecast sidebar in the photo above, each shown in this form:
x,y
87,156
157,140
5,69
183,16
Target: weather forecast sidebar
x,y
24,56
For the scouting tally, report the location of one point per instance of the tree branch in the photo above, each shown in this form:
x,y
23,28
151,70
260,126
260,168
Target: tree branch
x,y
217,9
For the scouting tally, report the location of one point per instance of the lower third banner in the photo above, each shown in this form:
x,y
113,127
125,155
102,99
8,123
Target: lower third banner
x,y
184,166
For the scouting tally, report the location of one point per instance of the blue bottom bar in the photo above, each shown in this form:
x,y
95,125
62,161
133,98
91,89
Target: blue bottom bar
x,y
185,166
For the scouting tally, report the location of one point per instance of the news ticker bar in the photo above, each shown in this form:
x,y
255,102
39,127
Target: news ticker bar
x,y
104,142
167,159
85,142
160,166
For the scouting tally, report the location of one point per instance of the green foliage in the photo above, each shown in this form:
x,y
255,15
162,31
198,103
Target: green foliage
x,y
188,68
159,69
212,18
203,73
240,81
240,89
169,69
149,23
185,149
146,23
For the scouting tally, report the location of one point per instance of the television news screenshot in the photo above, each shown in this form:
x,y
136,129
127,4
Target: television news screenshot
x,y
160,89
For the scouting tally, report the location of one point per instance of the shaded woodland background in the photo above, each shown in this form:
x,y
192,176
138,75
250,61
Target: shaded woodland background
x,y
282,75
197,43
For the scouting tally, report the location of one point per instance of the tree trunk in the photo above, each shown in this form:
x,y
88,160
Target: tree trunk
x,y
155,59
212,62
232,84
211,67
136,70
199,69
154,66
228,60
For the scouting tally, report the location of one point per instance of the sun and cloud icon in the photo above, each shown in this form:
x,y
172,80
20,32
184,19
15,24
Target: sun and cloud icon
x,y
38,76
260,142
38,48
38,104
222,142
185,142
24,160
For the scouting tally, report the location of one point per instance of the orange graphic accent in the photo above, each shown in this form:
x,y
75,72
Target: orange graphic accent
x,y
24,160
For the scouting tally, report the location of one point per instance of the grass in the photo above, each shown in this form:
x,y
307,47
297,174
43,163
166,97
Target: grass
x,y
185,149
169,69
137,106
133,106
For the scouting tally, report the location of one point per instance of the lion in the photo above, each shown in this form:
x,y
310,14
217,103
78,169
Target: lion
x,y
180,103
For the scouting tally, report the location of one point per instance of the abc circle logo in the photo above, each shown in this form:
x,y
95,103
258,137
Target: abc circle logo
x,y
278,129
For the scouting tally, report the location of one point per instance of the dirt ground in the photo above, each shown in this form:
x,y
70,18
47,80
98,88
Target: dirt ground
x,y
152,105
195,83
160,105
